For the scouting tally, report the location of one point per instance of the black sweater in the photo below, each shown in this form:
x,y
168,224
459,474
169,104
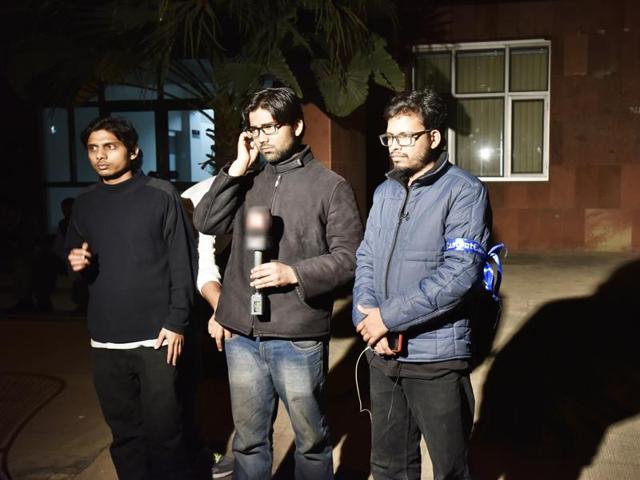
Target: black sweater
x,y
142,273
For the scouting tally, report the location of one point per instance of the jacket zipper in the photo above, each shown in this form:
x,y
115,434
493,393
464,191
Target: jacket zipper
x,y
273,201
275,190
403,216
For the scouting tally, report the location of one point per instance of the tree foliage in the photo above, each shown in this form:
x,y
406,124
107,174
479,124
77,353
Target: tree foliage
x,y
325,50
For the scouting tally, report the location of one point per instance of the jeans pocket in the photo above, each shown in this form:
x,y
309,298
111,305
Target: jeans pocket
x,y
233,336
305,345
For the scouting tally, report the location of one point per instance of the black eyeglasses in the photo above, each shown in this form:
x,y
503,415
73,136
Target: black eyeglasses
x,y
270,129
402,139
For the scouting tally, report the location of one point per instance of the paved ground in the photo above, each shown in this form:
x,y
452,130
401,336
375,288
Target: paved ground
x,y
51,427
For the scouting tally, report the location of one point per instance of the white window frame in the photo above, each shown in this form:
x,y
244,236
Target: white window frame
x,y
509,97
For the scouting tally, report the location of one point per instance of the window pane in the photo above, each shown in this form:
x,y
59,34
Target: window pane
x,y
480,71
83,116
55,127
479,139
433,70
529,69
173,90
138,85
190,142
144,123
528,135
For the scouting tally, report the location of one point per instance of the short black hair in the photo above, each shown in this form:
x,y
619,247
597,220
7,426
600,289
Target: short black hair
x,y
280,102
427,104
123,131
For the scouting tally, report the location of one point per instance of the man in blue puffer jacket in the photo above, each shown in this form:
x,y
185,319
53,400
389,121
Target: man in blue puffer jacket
x,y
418,267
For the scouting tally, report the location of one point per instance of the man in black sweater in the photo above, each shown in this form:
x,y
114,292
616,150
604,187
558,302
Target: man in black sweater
x,y
130,239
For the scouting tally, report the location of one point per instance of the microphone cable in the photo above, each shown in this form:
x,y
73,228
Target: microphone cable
x,y
361,409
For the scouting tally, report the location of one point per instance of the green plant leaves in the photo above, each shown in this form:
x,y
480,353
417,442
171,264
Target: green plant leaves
x,y
386,71
345,89
279,68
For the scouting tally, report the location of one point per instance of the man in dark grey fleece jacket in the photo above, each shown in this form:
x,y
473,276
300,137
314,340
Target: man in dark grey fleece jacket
x,y
316,229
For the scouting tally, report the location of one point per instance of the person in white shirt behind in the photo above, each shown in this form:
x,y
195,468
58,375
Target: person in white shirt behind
x,y
208,284
208,281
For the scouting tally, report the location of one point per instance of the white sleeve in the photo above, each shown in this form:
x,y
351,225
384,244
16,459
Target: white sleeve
x,y
208,270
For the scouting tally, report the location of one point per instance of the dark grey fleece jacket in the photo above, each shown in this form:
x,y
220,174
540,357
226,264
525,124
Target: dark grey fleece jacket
x,y
316,230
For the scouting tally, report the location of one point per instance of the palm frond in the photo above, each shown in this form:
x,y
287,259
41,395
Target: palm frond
x,y
82,45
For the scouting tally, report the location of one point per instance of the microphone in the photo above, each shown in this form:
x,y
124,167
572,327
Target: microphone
x,y
257,225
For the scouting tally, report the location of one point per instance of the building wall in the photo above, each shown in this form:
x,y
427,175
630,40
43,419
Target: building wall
x,y
592,198
340,145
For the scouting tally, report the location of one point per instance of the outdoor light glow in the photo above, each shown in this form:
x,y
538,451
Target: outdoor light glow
x,y
53,129
485,153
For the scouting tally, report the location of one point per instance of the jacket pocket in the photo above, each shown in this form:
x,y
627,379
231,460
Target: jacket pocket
x,y
298,294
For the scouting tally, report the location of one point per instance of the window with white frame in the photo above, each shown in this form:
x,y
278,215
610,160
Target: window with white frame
x,y
500,125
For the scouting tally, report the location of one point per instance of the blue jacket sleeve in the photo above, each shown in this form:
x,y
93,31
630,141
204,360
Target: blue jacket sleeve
x,y
468,217
363,289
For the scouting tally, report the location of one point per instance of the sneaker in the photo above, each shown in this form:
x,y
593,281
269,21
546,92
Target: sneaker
x,y
222,466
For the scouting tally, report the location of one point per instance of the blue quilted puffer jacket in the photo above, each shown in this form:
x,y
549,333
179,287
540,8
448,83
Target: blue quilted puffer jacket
x,y
404,269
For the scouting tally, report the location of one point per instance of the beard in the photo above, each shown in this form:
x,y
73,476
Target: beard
x,y
405,172
402,174
277,155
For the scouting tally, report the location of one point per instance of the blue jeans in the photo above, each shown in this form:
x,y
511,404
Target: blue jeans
x,y
441,409
261,370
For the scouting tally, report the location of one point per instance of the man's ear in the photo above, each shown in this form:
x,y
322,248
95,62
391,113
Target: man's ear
x,y
135,153
298,127
436,138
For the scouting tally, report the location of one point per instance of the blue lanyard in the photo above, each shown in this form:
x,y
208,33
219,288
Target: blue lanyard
x,y
492,278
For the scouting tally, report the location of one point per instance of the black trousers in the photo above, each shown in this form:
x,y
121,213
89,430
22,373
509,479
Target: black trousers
x,y
441,409
139,395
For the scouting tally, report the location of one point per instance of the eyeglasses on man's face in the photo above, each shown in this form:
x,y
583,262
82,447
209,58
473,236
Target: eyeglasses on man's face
x,y
270,129
402,139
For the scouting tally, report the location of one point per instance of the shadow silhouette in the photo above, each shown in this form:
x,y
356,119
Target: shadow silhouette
x,y
346,423
569,373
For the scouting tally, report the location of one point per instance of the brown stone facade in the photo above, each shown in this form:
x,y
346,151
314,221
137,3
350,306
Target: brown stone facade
x,y
592,198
